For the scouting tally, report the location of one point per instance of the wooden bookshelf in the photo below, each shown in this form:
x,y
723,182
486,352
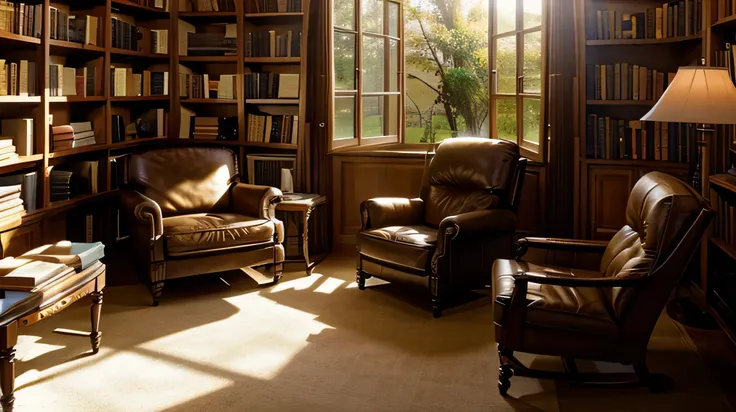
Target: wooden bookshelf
x,y
273,60
621,102
637,42
130,7
272,101
20,99
210,101
10,38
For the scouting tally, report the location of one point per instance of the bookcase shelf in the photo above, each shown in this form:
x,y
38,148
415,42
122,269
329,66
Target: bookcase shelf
x,y
272,145
289,15
641,163
724,181
207,14
61,46
273,60
621,102
209,59
138,10
76,151
20,99
272,101
135,53
7,37
210,101
209,142
139,98
638,42
76,99
725,23
22,162
136,142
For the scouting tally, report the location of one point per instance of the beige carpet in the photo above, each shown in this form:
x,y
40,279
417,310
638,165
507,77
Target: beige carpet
x,y
309,344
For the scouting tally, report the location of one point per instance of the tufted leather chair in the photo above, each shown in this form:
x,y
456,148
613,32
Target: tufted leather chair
x,y
189,215
606,314
446,240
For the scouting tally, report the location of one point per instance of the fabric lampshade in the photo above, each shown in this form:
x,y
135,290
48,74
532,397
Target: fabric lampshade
x,y
703,95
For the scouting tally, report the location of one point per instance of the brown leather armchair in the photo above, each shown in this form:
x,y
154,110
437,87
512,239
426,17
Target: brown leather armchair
x,y
606,314
447,239
189,215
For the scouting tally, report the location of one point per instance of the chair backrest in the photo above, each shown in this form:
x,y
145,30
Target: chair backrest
x,y
468,174
185,180
666,220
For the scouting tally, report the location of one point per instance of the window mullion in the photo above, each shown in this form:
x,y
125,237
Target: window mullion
x,y
359,73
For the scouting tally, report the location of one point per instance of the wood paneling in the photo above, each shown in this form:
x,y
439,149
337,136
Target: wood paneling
x,y
20,240
532,205
609,191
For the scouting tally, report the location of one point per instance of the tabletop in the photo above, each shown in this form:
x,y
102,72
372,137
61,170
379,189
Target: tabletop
x,y
300,201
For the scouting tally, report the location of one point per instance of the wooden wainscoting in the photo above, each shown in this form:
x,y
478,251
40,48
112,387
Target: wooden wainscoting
x,y
20,240
357,177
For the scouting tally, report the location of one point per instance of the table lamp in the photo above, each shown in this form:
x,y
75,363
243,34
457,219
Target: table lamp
x,y
705,96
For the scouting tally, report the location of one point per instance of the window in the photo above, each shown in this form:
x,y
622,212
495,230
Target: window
x,y
367,56
517,72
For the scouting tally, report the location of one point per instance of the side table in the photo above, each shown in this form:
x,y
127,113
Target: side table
x,y
21,309
303,203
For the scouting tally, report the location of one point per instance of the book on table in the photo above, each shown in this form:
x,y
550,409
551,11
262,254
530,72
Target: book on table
x,y
26,274
76,255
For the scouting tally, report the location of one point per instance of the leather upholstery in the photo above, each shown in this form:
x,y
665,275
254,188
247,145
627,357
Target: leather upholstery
x,y
465,219
189,215
185,180
612,317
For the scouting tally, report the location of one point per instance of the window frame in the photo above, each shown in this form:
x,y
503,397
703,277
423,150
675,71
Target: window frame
x,y
535,151
358,94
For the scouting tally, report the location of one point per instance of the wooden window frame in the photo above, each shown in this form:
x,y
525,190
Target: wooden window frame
x,y
532,150
358,94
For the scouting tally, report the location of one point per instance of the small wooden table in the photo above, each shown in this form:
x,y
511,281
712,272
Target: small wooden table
x,y
21,309
302,203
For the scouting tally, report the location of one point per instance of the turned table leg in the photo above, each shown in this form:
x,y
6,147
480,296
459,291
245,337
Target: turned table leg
x,y
305,240
95,312
7,378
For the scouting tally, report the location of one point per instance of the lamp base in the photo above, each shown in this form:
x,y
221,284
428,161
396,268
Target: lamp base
x,y
732,171
685,311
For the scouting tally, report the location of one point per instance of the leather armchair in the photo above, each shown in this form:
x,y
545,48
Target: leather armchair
x,y
189,215
446,240
606,314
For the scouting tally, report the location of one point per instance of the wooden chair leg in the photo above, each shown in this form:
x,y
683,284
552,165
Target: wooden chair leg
x,y
157,289
504,372
95,311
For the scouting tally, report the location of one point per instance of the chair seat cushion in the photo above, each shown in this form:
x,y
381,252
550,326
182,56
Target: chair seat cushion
x,y
406,246
212,231
585,310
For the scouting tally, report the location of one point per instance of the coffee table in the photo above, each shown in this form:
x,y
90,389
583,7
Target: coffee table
x,y
20,309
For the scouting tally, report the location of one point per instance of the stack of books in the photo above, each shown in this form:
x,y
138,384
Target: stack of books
x,y
674,19
18,78
271,86
27,183
21,133
624,81
61,185
23,19
270,44
274,6
206,128
11,204
7,150
73,135
273,128
214,44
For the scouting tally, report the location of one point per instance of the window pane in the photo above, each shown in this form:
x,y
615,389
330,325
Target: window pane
x,y
344,61
393,19
532,119
533,62
371,16
532,13
506,119
344,118
343,14
373,59
505,16
506,64
393,115
373,112
393,68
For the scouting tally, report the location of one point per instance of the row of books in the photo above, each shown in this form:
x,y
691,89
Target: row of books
x,y
727,58
125,35
270,44
274,6
149,83
73,135
674,19
7,149
608,138
724,225
63,81
271,86
210,5
624,81
20,133
160,41
215,128
17,195
264,128
18,78
75,179
724,8
222,43
75,28
19,18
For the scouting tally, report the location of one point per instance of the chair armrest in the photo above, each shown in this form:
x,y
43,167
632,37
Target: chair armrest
x,y
497,220
580,282
568,245
255,201
391,211
143,211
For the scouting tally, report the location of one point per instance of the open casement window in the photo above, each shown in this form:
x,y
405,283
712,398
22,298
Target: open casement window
x,y
518,73
367,61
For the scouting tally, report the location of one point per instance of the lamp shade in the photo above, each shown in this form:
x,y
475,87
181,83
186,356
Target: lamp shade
x,y
697,95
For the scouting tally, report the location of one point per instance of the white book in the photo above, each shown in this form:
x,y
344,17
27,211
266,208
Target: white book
x,y
184,30
21,131
80,127
120,83
23,78
69,88
288,86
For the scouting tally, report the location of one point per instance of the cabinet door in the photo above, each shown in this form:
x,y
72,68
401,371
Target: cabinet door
x,y
19,241
608,192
